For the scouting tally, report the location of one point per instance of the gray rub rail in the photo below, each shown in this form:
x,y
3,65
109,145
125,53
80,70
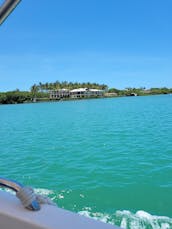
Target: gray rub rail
x,y
17,187
6,8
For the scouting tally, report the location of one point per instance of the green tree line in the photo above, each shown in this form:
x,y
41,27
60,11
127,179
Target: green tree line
x,y
40,92
14,97
140,91
67,85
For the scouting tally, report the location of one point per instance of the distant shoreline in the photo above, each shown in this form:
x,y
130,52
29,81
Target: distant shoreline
x,y
43,100
69,91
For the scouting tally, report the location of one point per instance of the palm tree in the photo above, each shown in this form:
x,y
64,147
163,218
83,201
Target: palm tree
x,y
34,90
40,86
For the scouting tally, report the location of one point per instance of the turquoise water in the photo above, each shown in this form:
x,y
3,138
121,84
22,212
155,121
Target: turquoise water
x,y
109,159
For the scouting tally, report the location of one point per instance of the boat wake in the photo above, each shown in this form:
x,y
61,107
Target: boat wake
x,y
43,191
125,219
129,220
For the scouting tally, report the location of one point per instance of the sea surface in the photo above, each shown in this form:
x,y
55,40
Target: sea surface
x,y
110,159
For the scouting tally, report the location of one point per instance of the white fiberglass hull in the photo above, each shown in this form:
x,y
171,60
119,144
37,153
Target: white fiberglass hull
x,y
14,216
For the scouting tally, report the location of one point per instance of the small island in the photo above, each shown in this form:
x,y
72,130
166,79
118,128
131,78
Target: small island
x,y
58,91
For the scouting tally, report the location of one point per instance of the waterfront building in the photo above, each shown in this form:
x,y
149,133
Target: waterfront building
x,y
96,92
79,93
133,94
59,94
75,93
85,92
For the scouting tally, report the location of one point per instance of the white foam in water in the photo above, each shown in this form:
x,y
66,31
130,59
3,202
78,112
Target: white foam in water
x,y
40,191
129,220
97,216
43,191
8,190
144,220
60,196
124,223
124,219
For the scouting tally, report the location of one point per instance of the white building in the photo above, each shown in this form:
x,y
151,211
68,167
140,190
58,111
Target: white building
x,y
75,93
79,93
59,94
96,92
85,92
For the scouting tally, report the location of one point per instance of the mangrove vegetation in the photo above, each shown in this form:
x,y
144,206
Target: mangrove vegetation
x,y
40,92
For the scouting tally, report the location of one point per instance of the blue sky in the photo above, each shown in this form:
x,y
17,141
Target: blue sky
x,y
122,43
